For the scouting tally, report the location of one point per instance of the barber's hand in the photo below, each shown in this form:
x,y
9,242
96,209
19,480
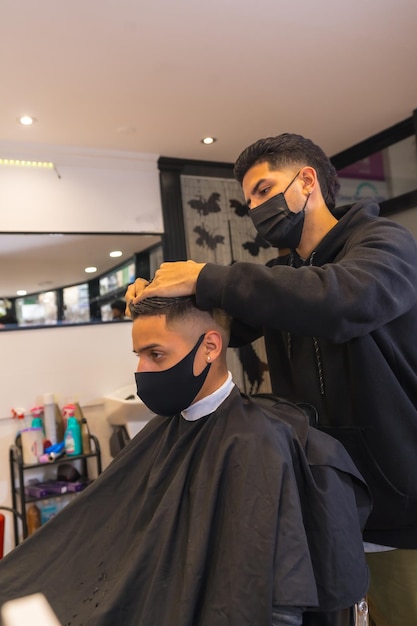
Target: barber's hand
x,y
172,280
134,290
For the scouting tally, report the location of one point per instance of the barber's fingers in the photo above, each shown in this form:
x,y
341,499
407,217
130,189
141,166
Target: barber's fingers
x,y
173,280
180,274
134,291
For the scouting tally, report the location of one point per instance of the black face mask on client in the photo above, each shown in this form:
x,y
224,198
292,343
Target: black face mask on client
x,y
171,391
276,223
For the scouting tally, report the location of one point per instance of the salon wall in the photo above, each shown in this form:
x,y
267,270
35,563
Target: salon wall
x,y
88,192
77,364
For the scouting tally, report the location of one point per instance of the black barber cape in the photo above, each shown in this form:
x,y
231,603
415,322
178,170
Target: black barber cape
x,y
204,523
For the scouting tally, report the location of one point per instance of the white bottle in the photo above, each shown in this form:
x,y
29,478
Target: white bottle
x,y
49,417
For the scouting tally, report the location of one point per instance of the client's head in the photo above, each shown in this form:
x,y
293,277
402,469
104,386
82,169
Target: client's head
x,y
181,350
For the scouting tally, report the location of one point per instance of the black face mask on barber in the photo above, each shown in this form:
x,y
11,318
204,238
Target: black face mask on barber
x,y
171,391
276,223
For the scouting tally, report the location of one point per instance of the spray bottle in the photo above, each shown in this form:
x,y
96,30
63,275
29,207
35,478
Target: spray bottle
x,y
72,437
23,418
37,418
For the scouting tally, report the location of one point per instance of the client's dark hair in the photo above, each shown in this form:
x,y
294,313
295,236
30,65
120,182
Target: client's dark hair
x,y
178,309
173,308
286,150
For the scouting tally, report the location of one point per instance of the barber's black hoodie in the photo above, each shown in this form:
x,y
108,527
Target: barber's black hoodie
x,y
340,331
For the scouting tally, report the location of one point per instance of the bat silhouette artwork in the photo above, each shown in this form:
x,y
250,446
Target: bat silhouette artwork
x,y
203,206
207,239
240,209
255,245
253,367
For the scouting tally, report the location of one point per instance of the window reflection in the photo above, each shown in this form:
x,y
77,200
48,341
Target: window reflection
x,y
382,175
80,303
113,282
76,305
37,309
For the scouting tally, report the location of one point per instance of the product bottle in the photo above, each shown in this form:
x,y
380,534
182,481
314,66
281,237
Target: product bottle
x,y
33,518
49,418
78,412
72,437
85,436
59,422
37,418
23,417
49,509
85,431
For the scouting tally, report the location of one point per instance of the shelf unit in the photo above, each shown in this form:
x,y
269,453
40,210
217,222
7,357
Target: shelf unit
x,y
18,471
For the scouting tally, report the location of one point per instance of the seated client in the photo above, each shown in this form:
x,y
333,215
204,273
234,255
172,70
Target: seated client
x,y
220,512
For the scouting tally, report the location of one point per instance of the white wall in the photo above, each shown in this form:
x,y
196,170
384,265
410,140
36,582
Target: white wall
x,y
97,192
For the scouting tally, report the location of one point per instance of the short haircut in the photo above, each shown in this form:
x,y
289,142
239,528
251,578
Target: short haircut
x,y
290,149
120,305
180,308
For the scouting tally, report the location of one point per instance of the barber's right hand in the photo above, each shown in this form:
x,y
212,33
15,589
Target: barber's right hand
x,y
172,280
133,291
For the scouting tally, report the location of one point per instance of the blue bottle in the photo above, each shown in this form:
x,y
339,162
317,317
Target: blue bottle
x,y
72,437
37,418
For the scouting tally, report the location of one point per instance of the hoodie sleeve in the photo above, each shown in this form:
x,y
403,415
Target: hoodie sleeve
x,y
371,281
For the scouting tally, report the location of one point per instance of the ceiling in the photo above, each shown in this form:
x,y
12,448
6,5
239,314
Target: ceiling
x,y
157,76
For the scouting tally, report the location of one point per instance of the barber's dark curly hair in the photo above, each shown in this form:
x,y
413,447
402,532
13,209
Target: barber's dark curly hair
x,y
286,150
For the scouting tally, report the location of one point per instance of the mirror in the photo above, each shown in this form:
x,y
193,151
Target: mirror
x,y
44,263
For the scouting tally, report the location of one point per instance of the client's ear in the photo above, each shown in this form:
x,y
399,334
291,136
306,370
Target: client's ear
x,y
212,345
309,178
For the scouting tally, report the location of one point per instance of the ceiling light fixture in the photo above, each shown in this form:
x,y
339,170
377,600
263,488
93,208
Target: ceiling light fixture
x,y
208,140
21,292
21,163
26,120
116,253
90,270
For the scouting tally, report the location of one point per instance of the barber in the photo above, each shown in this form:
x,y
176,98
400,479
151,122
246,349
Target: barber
x,y
338,311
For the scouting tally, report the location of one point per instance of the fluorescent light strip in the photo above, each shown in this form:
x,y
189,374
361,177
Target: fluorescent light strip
x,y
20,163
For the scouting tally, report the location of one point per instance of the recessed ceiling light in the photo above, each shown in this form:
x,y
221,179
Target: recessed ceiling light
x,y
21,292
26,120
116,253
208,140
90,270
